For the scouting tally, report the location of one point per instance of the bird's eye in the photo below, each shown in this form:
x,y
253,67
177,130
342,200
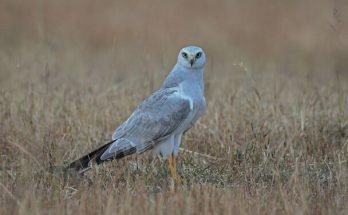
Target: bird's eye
x,y
184,55
198,55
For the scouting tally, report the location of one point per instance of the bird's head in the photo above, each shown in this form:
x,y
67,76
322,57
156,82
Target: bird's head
x,y
191,57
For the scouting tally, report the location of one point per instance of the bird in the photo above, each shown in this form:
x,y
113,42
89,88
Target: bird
x,y
160,121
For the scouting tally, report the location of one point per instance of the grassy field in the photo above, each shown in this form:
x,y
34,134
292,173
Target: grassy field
x,y
273,140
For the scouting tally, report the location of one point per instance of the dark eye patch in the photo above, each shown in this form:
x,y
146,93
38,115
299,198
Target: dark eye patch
x,y
198,55
184,55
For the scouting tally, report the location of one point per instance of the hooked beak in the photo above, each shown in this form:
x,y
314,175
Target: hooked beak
x,y
192,59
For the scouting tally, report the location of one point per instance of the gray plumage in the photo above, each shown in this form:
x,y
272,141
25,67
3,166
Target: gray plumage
x,y
160,120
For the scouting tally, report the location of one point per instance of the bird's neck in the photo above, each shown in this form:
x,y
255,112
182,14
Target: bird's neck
x,y
190,78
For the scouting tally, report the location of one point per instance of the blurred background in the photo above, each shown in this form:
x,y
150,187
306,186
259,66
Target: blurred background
x,y
289,37
276,86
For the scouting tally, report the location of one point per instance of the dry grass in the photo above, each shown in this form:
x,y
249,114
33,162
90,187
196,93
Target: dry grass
x,y
276,89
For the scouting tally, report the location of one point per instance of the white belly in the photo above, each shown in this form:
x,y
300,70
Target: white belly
x,y
165,147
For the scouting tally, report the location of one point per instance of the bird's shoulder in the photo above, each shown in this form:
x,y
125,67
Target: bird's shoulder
x,y
164,98
165,108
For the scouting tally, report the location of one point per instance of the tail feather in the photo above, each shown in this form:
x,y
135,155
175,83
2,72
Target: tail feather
x,y
82,164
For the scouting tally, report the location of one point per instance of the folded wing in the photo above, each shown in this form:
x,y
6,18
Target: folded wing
x,y
153,120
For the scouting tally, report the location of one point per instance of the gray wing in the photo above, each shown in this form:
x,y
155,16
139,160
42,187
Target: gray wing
x,y
153,120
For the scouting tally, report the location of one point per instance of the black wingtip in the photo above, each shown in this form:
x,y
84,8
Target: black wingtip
x,y
83,164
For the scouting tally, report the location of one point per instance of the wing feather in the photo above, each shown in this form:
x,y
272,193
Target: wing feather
x,y
154,119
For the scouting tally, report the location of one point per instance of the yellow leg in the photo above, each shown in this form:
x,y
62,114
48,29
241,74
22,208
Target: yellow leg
x,y
172,167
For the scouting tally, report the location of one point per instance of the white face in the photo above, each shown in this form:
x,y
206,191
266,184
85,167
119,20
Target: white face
x,y
192,57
